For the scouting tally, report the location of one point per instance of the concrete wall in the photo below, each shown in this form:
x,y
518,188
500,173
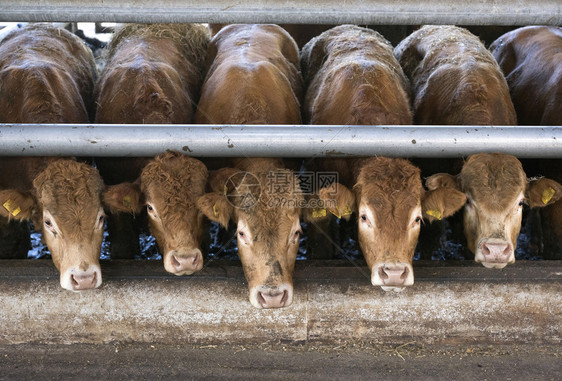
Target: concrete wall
x,y
454,303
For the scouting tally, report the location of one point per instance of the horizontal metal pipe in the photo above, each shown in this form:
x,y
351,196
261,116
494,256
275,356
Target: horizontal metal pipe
x,y
390,12
277,140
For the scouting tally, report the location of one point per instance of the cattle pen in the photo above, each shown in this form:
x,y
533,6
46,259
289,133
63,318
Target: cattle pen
x,y
334,301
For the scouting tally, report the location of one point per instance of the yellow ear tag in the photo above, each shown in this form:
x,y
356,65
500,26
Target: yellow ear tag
x,y
337,215
318,213
127,201
547,195
434,213
347,211
215,211
8,206
225,190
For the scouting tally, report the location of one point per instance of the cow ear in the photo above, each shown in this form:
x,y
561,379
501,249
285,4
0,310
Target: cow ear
x,y
17,205
543,192
334,199
442,203
125,197
218,180
442,180
216,207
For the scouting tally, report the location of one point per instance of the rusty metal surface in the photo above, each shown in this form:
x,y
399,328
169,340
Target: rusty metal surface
x,y
334,301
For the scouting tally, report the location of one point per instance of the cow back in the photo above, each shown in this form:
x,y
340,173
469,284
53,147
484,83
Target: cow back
x,y
353,78
253,77
47,75
530,58
455,80
153,74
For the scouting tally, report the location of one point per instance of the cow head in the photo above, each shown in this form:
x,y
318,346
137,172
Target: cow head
x,y
65,205
169,186
268,228
496,189
391,203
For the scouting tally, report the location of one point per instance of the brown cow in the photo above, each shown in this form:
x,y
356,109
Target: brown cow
x,y
530,58
455,80
355,79
254,78
47,76
268,224
169,186
153,75
390,201
496,188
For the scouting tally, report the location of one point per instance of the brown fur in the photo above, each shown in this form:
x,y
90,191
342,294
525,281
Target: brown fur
x,y
493,179
169,186
392,189
530,60
46,75
455,80
353,78
153,74
70,192
300,33
493,183
256,65
268,212
253,77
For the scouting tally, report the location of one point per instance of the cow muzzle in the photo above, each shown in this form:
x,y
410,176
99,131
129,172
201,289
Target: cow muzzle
x,y
494,253
183,262
392,276
75,279
271,297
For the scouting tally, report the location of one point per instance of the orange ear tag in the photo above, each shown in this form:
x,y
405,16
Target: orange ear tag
x,y
215,211
547,195
316,213
8,206
127,201
434,213
337,215
347,211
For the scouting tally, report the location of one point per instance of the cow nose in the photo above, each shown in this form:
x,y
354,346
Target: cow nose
x,y
496,252
185,263
392,276
83,281
273,299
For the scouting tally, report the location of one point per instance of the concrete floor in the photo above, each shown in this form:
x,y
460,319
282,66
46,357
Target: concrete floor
x,y
279,362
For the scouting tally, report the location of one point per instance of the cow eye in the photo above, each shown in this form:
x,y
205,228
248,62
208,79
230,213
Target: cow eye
x,y
364,217
418,220
48,223
522,202
150,208
241,234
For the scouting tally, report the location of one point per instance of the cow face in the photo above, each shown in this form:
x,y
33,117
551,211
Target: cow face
x,y
268,231
169,186
390,203
66,207
496,188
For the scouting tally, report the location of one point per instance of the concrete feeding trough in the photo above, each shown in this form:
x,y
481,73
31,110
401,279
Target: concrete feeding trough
x,y
450,303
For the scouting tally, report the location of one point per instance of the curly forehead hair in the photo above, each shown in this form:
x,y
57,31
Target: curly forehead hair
x,y
493,179
176,176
